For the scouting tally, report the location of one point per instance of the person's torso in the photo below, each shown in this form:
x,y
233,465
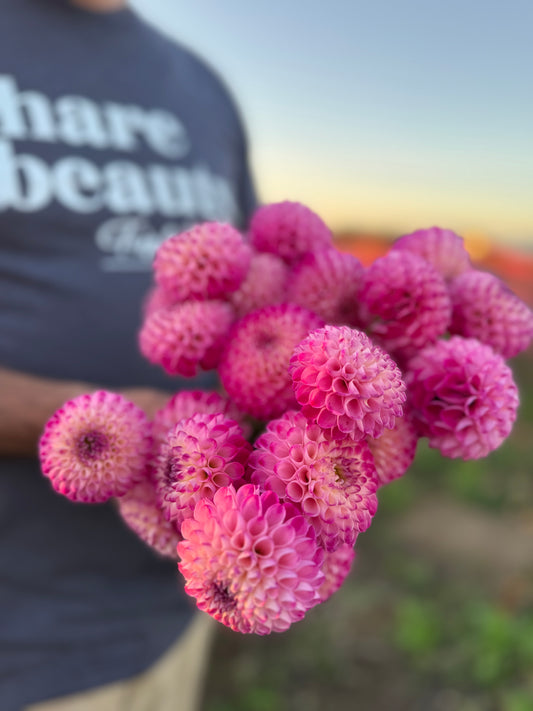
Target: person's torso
x,y
111,138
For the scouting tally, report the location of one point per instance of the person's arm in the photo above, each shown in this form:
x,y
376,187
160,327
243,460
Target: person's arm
x,y
27,402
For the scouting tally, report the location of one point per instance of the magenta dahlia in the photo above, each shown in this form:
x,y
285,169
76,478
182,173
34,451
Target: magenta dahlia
x,y
187,337
443,248
394,451
405,303
187,403
486,309
265,284
288,229
202,454
337,564
464,397
96,446
346,384
327,282
140,511
208,261
254,366
251,562
333,483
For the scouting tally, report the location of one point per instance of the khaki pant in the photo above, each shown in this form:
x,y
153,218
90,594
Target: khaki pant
x,y
174,683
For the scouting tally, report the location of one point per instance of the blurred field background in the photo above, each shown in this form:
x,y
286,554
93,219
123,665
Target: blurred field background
x,y
386,117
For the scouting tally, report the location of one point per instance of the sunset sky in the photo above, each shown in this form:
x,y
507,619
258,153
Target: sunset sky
x,y
380,115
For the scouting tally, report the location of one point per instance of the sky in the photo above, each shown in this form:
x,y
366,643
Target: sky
x,y
380,115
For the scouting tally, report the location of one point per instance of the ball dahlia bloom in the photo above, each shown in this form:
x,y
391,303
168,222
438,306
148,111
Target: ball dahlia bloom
x,y
96,446
334,483
405,303
288,229
140,511
187,337
254,366
250,562
464,397
156,299
265,284
201,455
208,261
486,309
187,403
336,567
443,248
327,282
350,387
394,451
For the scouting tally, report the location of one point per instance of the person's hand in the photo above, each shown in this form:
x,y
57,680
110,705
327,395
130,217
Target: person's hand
x,y
148,399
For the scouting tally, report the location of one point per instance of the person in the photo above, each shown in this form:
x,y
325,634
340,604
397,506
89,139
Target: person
x,y
112,137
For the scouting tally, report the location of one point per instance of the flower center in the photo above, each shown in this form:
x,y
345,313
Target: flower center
x,y
265,340
172,470
91,444
340,477
223,599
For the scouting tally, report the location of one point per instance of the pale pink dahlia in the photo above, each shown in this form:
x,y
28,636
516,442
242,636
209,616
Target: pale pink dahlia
x,y
288,229
251,562
187,403
463,396
327,282
95,447
337,564
187,337
486,309
443,248
265,284
141,512
346,384
334,483
156,299
202,454
405,303
394,451
254,366
209,261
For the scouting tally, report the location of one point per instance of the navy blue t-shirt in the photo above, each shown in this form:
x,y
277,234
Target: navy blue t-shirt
x,y
112,137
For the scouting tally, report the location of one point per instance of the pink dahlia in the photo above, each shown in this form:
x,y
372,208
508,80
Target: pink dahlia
x,y
327,282
209,261
95,447
251,562
346,384
187,403
156,299
486,309
187,337
333,482
463,396
288,229
254,366
405,303
265,284
202,454
337,565
443,248
140,511
394,451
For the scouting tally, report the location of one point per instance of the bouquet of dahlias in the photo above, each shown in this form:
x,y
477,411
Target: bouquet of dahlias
x,y
330,372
